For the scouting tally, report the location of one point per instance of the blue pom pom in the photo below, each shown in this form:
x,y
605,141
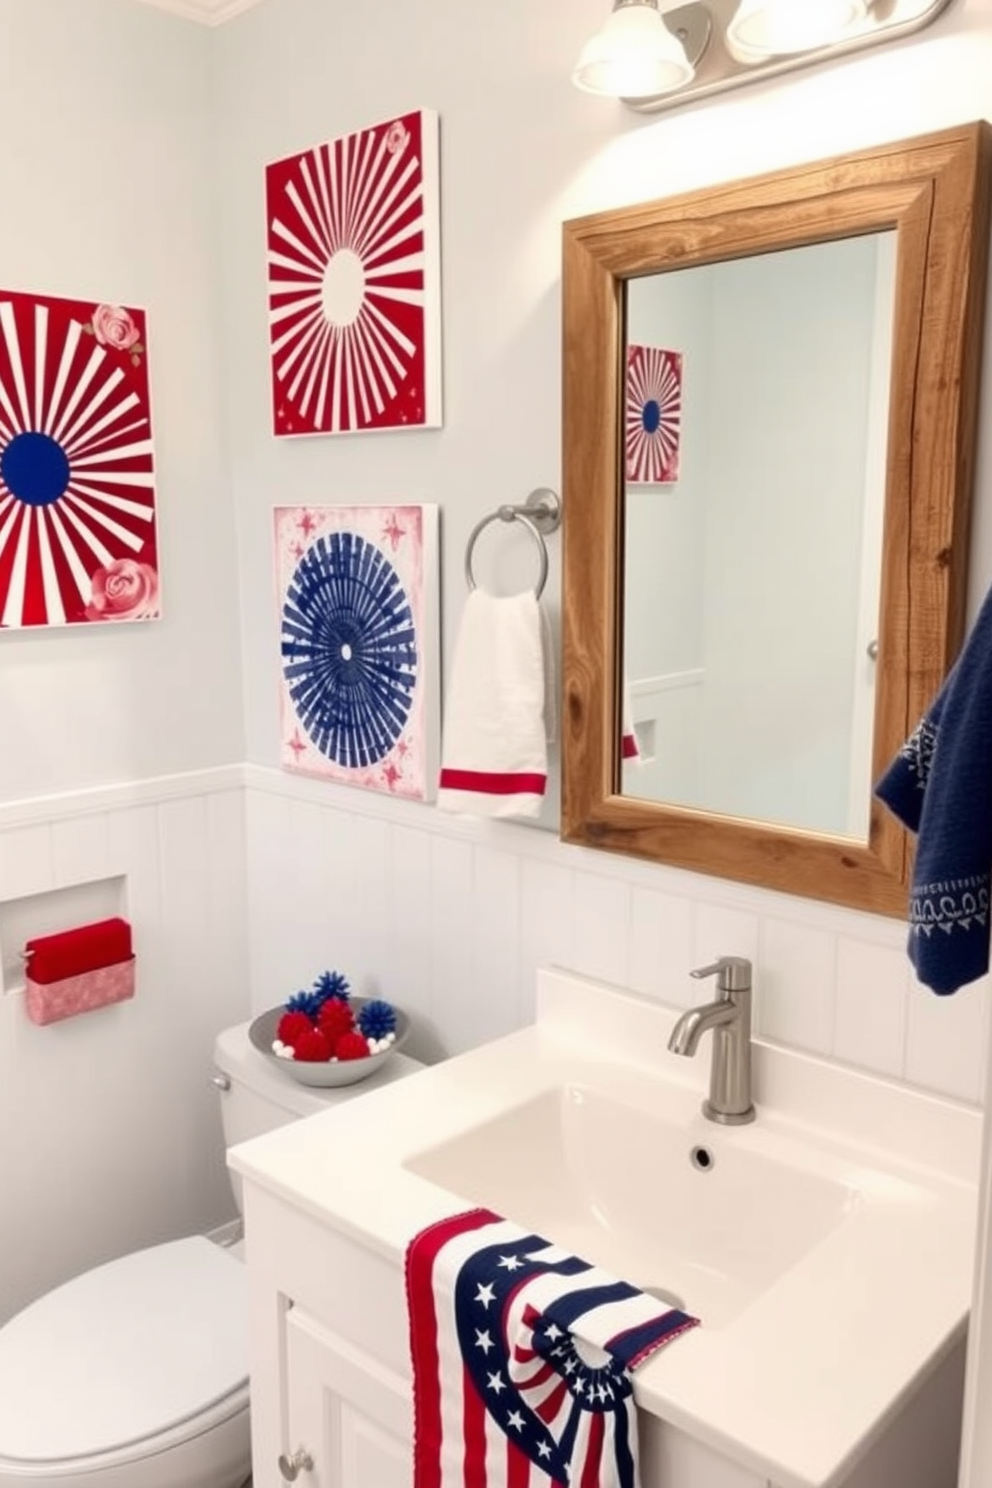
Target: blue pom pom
x,y
305,1002
332,984
377,1018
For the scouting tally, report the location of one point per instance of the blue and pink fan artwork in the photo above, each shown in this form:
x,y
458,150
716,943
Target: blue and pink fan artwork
x,y
653,415
77,484
359,645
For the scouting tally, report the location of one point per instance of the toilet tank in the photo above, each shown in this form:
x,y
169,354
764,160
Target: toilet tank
x,y
257,1096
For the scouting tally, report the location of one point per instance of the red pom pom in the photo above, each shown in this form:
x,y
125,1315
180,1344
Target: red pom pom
x,y
293,1026
352,1046
313,1046
335,1018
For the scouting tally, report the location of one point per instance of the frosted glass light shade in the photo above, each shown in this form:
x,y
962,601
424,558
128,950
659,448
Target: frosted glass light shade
x,y
633,56
771,28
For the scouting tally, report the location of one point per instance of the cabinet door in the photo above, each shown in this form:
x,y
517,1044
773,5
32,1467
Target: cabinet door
x,y
351,1414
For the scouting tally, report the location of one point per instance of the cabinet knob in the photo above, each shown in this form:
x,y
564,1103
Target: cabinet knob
x,y
291,1467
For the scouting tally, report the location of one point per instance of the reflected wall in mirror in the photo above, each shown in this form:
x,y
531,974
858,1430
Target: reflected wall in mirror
x,y
827,324
750,583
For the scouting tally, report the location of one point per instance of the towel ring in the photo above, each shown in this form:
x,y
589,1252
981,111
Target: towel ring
x,y
540,513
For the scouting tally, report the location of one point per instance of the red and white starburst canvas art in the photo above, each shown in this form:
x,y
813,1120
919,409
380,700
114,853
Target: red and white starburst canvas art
x,y
77,485
354,282
653,422
359,645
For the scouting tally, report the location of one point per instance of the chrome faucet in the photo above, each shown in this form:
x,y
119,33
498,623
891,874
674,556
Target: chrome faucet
x,y
729,1017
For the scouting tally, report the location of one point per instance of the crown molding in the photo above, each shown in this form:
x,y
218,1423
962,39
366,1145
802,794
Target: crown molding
x,y
207,12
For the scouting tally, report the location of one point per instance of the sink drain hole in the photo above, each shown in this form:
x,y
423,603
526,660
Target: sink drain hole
x,y
702,1159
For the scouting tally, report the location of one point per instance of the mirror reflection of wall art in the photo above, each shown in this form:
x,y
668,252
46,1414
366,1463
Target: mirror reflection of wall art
x,y
358,591
653,420
354,281
77,492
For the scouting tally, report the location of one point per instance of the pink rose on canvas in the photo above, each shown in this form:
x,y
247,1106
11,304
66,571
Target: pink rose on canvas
x,y
114,326
125,590
397,138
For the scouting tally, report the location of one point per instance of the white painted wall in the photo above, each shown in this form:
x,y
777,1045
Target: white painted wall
x,y
105,114
665,552
785,487
109,1135
749,566
450,918
665,524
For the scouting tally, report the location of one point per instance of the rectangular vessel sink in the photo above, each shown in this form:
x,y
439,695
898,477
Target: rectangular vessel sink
x,y
694,1217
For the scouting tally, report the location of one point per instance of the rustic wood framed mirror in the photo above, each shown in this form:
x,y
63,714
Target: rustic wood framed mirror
x,y
900,231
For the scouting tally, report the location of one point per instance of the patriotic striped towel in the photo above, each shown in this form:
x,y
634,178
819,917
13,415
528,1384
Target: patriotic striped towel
x,y
494,756
521,1360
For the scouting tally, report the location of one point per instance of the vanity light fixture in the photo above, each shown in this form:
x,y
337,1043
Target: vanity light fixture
x,y
635,55
656,54
760,29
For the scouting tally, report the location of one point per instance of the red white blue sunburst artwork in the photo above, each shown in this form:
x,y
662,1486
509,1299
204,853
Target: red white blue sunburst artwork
x,y
359,645
653,424
77,488
354,282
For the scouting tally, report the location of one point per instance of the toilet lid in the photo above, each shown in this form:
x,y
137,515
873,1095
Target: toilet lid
x,y
124,1352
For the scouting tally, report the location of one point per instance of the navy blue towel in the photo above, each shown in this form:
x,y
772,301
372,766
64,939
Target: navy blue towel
x,y
940,786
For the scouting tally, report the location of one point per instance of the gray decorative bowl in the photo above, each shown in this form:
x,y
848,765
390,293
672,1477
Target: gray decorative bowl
x,y
335,1071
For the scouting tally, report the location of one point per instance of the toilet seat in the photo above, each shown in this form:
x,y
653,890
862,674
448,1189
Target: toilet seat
x,y
171,1321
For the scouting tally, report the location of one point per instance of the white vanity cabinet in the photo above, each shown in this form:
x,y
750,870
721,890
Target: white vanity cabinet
x,y
347,1411
330,1367
331,1380
330,1372
841,1368
329,1355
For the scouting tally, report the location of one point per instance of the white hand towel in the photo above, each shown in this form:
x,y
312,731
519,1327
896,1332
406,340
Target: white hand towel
x,y
494,758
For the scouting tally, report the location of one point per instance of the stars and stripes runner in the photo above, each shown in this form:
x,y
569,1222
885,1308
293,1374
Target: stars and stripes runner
x,y
522,1355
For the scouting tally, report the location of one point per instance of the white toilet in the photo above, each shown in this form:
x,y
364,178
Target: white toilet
x,y
135,1374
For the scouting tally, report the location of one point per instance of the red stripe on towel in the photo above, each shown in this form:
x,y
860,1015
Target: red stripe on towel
x,y
420,1258
487,783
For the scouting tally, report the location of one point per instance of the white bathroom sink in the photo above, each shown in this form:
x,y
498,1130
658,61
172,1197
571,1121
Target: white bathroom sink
x,y
826,1248
692,1216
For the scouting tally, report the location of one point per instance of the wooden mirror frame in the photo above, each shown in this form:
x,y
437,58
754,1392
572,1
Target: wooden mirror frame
x,y
934,192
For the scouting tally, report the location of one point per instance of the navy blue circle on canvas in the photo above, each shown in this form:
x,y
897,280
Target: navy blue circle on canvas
x,y
35,468
349,649
651,416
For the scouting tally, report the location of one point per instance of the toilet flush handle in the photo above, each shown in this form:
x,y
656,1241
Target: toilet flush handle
x,y
222,1082
290,1467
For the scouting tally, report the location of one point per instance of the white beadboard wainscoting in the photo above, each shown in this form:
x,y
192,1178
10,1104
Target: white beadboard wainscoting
x,y
243,882
110,1132
450,918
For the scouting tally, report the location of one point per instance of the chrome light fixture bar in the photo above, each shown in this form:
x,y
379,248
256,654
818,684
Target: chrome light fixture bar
x,y
723,44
